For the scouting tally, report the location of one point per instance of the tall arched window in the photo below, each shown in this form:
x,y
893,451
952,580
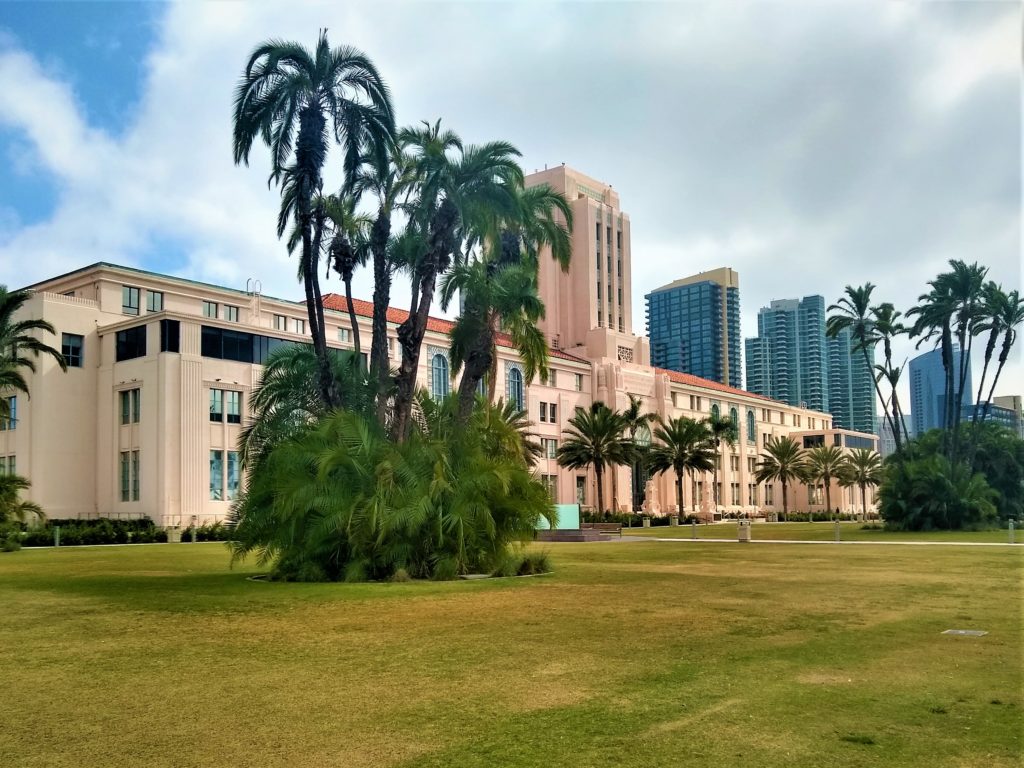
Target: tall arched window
x,y
734,417
715,411
515,387
439,381
751,428
481,387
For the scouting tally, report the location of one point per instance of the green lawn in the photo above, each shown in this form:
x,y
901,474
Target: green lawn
x,y
822,532
632,654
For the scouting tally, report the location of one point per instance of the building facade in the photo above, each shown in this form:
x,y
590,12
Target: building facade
x,y
928,389
851,384
1012,403
795,367
694,326
146,421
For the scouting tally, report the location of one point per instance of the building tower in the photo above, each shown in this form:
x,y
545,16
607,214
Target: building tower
x,y
694,326
792,357
851,388
928,389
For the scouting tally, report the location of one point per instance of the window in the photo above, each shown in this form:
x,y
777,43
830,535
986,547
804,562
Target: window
x,y
230,313
216,405
715,412
766,416
210,309
769,495
12,465
734,463
550,448
581,490
700,404
693,402
439,380
579,382
225,344
12,414
280,323
515,387
543,412
154,301
130,343
550,482
131,406
170,336
796,420
344,335
129,475
765,439
71,348
300,326
551,413
735,488
751,428
233,401
216,475
129,300
751,465
734,417
752,494
233,475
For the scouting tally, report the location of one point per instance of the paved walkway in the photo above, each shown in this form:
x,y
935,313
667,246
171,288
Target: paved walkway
x,y
825,541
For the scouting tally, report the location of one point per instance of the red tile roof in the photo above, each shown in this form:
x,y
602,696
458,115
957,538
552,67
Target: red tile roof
x,y
397,316
697,381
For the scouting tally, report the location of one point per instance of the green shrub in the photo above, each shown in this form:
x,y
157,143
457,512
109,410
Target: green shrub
x,y
339,500
533,563
10,537
102,531
922,493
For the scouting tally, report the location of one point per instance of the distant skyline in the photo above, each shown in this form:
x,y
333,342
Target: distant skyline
x,y
807,147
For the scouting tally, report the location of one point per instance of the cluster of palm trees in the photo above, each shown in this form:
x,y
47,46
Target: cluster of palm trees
x,y
415,200
961,306
605,439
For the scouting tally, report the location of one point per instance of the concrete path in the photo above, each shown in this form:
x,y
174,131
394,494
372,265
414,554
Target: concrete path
x,y
822,541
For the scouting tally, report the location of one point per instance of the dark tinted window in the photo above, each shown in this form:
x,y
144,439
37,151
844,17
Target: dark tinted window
x,y
130,343
226,344
170,336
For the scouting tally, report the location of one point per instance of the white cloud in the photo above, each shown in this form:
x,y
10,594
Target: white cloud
x,y
791,146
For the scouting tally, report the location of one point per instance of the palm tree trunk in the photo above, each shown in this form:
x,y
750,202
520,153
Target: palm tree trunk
x,y
478,363
615,488
882,400
864,500
599,472
828,494
785,501
679,492
412,330
352,315
380,369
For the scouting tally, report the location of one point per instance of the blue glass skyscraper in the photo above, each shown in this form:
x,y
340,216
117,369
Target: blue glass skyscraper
x,y
694,326
928,389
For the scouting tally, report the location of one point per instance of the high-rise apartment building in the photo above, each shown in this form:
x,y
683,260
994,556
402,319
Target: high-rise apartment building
x,y
694,326
928,389
792,357
851,387
1012,403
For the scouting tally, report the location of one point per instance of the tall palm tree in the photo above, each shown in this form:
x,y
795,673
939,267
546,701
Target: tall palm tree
x,y
1011,316
786,463
824,462
456,186
721,429
18,340
683,445
886,326
966,285
293,99
595,439
862,467
637,424
934,320
349,248
390,179
852,312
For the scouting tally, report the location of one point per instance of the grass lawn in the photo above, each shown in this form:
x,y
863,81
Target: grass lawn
x,y
631,654
850,531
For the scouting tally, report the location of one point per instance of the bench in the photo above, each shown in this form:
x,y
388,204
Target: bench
x,y
603,527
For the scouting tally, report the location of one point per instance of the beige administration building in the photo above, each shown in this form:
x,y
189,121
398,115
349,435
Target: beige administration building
x,y
146,420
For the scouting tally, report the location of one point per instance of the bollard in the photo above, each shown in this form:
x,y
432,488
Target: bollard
x,y
838,533
693,528
1011,531
56,535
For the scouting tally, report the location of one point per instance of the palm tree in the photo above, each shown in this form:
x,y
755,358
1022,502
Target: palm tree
x,y
824,462
862,467
595,439
12,506
853,313
934,318
721,429
349,248
682,445
507,299
17,338
785,462
390,179
289,97
1011,316
637,424
886,327
457,186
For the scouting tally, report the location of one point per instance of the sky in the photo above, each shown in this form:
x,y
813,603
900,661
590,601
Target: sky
x,y
807,146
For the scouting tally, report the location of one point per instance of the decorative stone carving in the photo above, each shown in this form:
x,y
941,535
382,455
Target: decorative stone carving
x,y
652,504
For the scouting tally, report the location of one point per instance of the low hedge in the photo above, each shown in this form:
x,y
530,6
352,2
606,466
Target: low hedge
x,y
100,531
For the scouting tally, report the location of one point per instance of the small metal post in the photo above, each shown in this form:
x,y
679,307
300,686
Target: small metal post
x,y
1011,531
838,532
56,535
693,528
